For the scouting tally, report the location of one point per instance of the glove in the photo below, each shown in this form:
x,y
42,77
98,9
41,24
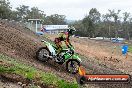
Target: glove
x,y
72,48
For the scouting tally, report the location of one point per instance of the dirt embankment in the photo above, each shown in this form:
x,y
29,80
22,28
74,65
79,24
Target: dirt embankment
x,y
21,43
17,40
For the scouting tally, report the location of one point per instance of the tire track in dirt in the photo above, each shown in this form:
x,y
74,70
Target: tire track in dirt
x,y
94,65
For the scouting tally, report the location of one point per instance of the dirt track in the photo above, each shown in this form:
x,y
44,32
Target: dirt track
x,y
101,52
99,59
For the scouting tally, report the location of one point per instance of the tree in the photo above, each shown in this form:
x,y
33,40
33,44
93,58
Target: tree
x,y
126,24
5,9
55,19
107,25
91,22
94,15
35,13
13,16
116,20
22,12
88,26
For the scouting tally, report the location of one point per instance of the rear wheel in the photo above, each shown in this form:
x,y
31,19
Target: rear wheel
x,y
72,66
42,54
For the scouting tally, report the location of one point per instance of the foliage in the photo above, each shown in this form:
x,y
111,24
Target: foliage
x,y
55,19
130,48
23,13
5,9
110,25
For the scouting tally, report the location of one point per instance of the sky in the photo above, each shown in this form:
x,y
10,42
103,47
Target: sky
x,y
75,9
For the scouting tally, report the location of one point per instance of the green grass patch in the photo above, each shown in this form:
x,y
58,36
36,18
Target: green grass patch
x,y
5,69
130,48
32,73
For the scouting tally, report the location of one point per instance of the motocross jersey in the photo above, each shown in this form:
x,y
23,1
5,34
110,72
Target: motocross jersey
x,y
64,36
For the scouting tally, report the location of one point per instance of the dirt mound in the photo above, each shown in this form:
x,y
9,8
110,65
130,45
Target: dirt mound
x,y
16,40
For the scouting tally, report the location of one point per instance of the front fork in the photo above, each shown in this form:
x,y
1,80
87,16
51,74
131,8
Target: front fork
x,y
72,64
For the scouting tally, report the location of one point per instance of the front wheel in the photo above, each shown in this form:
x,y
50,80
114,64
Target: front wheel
x,y
42,54
72,66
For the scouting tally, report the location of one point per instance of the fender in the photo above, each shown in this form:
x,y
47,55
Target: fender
x,y
75,56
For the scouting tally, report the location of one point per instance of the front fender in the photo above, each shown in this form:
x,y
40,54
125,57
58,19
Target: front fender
x,y
75,56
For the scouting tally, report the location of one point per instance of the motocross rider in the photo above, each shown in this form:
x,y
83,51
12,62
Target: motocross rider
x,y
64,36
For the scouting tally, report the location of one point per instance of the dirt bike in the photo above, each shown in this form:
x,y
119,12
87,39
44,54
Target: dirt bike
x,y
67,56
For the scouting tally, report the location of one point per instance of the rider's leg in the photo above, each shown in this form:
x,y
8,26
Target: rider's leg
x,y
58,44
59,48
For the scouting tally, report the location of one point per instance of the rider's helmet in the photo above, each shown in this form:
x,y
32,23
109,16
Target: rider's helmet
x,y
71,31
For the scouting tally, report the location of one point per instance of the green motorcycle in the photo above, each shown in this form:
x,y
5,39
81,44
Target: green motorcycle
x,y
67,56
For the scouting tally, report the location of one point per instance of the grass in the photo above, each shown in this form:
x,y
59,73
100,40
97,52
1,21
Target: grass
x,y
32,73
130,48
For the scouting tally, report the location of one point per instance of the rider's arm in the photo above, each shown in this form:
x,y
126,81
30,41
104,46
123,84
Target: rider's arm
x,y
65,38
69,45
67,42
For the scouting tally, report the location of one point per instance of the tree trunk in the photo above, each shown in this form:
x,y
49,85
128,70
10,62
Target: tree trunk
x,y
109,32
